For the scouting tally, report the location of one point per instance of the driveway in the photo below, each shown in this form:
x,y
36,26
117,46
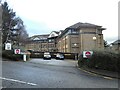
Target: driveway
x,y
39,73
66,62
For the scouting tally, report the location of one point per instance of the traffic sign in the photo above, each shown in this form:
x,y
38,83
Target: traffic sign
x,y
87,54
17,51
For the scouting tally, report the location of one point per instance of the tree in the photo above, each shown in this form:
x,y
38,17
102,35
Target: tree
x,y
106,44
9,21
21,32
13,28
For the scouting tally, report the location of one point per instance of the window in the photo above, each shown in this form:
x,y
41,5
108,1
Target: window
x,y
74,31
50,40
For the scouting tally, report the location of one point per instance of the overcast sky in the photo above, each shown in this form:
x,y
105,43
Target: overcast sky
x,y
44,16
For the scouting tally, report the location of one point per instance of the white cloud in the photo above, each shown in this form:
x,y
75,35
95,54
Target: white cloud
x,y
59,14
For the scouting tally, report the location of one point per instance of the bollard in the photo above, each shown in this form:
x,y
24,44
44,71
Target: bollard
x,y
24,57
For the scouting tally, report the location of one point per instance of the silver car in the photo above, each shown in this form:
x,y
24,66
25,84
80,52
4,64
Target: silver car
x,y
47,55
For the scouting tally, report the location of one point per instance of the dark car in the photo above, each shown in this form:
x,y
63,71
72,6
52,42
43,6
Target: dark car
x,y
47,55
60,56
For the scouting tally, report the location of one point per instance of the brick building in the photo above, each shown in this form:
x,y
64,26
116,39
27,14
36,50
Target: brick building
x,y
79,37
74,39
43,43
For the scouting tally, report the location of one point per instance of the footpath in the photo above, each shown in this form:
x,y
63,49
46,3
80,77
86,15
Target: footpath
x,y
105,73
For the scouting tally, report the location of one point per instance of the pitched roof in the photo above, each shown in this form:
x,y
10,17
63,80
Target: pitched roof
x,y
53,34
56,32
44,36
116,42
84,25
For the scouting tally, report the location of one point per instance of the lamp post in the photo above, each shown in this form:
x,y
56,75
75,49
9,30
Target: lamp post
x,y
94,39
75,44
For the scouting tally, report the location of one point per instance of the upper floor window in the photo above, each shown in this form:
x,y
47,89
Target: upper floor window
x,y
74,31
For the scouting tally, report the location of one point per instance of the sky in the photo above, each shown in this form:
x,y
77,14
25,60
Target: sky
x,y
45,16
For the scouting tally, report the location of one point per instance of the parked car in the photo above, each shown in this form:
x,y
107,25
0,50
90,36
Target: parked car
x,y
60,56
47,55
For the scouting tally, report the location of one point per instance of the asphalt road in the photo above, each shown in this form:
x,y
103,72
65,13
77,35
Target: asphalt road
x,y
38,73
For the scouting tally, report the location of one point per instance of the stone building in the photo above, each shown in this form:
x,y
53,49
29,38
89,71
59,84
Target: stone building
x,y
43,43
74,39
80,37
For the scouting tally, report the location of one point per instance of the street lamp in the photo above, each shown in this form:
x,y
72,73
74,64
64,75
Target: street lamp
x,y
75,44
94,38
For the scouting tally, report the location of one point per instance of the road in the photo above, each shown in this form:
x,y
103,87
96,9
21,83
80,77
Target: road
x,y
38,73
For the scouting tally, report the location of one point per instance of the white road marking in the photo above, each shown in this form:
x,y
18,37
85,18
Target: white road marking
x,y
108,78
19,81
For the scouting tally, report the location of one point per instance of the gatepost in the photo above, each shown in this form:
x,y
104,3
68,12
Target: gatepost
x,y
24,57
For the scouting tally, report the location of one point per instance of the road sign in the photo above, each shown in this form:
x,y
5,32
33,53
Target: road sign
x,y
87,54
17,51
8,46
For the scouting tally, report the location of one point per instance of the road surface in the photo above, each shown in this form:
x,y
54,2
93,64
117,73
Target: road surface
x,y
39,73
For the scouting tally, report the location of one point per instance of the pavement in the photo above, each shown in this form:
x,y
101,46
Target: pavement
x,y
104,73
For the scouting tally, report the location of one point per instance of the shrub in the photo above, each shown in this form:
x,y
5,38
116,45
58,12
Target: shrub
x,y
36,55
101,60
9,54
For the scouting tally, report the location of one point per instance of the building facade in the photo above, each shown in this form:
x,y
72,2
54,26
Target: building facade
x,y
80,37
43,43
74,39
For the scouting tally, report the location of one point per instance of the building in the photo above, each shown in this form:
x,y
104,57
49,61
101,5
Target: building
x,y
74,39
80,37
43,43
116,45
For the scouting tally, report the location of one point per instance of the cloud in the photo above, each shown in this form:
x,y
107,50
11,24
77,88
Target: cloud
x,y
48,15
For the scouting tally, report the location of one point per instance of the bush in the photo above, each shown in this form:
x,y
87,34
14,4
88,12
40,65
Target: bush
x,y
9,54
101,60
36,55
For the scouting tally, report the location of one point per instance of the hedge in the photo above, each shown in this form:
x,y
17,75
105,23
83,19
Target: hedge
x,y
9,54
101,60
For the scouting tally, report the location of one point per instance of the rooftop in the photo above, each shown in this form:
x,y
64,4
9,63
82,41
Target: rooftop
x,y
116,42
84,25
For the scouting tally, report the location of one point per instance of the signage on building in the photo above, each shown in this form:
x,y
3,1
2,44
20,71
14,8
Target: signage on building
x,y
8,46
17,51
87,54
